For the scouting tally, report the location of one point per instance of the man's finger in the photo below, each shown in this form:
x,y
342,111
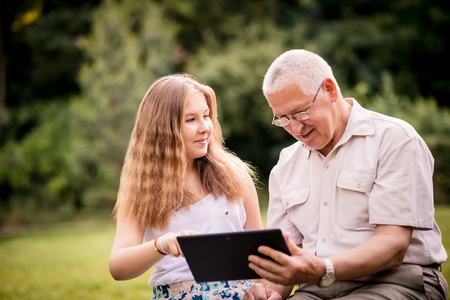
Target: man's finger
x,y
266,274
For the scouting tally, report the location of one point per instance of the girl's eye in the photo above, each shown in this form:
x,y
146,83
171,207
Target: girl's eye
x,y
190,120
206,116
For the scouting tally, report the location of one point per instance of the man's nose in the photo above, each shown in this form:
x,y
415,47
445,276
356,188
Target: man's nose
x,y
295,126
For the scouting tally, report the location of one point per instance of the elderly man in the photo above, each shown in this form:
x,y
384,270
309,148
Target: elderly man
x,y
354,196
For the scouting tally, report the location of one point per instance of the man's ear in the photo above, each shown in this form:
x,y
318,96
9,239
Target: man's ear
x,y
331,89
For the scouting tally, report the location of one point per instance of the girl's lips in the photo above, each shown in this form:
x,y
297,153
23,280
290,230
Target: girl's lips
x,y
201,141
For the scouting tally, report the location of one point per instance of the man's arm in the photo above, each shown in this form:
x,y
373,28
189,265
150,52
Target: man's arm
x,y
385,249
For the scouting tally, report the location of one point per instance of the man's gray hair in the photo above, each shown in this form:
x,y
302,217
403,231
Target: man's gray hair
x,y
306,68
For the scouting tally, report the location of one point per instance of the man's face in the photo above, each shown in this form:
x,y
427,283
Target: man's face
x,y
318,131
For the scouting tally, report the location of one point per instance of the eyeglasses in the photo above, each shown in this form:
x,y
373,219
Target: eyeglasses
x,y
299,116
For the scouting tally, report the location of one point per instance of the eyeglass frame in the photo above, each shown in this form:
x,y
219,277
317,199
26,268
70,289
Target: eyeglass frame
x,y
305,113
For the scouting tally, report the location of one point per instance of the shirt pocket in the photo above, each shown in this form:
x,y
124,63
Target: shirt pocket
x,y
295,204
353,199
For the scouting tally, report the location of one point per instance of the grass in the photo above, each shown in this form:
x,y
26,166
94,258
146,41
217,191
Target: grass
x,y
71,262
64,263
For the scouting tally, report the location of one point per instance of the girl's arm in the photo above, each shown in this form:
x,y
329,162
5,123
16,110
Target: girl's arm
x,y
130,257
251,206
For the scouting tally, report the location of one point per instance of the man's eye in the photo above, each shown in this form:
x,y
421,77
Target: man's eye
x,y
299,114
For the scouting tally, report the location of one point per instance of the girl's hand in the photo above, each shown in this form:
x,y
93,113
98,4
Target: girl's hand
x,y
168,243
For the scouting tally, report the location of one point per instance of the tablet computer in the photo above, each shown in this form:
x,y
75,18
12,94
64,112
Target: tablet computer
x,y
224,256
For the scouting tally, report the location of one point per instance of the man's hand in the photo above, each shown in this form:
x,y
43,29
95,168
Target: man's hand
x,y
299,267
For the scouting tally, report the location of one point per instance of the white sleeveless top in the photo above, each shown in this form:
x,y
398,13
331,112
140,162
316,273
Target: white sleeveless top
x,y
206,216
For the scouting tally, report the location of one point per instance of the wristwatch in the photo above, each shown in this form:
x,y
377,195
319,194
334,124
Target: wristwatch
x,y
329,278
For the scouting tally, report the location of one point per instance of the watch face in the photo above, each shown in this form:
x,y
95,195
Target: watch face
x,y
327,281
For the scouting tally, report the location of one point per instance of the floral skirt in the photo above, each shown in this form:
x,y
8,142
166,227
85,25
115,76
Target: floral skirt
x,y
202,290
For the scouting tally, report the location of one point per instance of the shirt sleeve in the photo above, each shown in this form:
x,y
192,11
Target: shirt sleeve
x,y
403,190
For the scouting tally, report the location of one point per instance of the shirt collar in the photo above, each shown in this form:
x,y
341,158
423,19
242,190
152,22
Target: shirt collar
x,y
359,123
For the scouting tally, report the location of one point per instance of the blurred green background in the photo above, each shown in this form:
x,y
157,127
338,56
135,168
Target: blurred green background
x,y
72,75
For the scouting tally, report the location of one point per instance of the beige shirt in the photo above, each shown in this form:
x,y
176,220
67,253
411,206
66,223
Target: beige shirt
x,y
380,172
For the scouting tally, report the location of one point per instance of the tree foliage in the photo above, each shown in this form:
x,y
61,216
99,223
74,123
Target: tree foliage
x,y
131,45
75,154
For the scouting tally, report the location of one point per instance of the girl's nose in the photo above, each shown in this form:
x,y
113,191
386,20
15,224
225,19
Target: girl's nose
x,y
203,126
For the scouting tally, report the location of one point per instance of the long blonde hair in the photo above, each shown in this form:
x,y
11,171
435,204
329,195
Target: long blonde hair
x,y
153,175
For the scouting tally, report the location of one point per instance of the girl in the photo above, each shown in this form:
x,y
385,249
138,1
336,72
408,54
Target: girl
x,y
178,179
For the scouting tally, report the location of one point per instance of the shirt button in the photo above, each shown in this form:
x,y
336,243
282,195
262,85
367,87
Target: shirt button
x,y
324,240
325,204
327,167
359,185
287,203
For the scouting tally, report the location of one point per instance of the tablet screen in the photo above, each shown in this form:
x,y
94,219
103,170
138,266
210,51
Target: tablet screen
x,y
224,256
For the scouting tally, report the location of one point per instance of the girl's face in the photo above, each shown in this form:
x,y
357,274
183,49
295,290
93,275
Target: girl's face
x,y
197,127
